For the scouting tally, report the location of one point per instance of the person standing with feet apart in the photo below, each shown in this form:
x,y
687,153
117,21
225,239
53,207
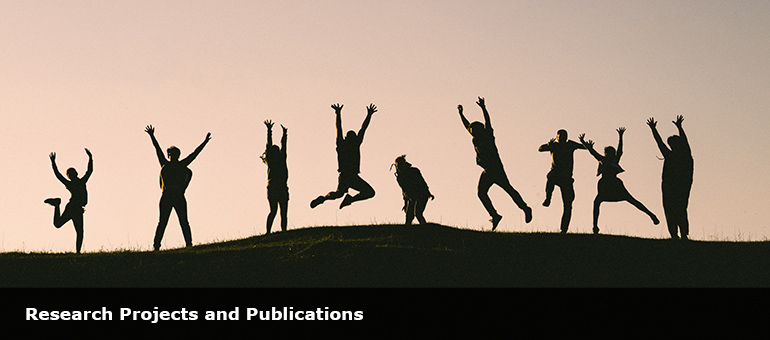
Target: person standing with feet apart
x,y
677,178
488,158
78,200
414,189
610,188
349,163
277,176
175,176
562,162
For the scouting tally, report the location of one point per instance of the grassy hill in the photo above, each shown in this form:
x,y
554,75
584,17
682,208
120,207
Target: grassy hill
x,y
399,256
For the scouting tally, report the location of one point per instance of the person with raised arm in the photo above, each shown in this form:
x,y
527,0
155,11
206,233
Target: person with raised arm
x,y
175,176
79,198
610,188
488,158
562,162
277,176
349,163
677,178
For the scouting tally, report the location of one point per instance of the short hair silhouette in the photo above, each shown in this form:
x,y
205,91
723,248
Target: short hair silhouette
x,y
75,208
677,178
414,190
610,188
349,163
175,176
488,158
562,162
277,177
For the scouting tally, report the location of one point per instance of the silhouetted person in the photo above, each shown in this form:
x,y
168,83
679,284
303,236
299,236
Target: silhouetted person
x,y
79,198
349,163
610,188
677,178
562,162
414,189
488,158
175,176
277,176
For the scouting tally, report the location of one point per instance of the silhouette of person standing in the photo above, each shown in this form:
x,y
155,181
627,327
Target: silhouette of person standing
x,y
677,178
349,163
562,162
414,189
79,198
488,158
277,176
175,176
610,188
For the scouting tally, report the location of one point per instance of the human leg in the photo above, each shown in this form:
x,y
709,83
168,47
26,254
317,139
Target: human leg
x,y
342,189
271,215
567,197
409,212
597,203
485,182
549,186
180,205
77,221
365,191
419,209
165,207
284,213
640,206
502,181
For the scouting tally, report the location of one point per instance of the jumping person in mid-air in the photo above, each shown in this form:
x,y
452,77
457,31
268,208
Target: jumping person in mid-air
x,y
610,188
277,176
414,189
349,163
677,178
175,176
562,162
78,200
488,158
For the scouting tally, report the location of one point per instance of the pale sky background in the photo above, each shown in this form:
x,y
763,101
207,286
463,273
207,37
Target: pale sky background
x,y
93,74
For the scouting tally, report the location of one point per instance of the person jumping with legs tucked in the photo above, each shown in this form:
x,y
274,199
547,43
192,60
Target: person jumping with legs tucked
x,y
677,178
76,206
488,158
175,176
349,163
277,176
562,162
610,188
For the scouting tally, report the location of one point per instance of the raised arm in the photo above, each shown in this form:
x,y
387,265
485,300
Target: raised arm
x,y
662,146
621,131
90,166
198,150
466,123
56,172
678,123
590,147
158,151
483,106
337,111
547,147
370,110
269,125
283,139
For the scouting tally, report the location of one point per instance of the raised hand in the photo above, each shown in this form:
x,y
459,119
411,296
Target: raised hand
x,y
480,102
337,107
88,152
582,137
679,120
371,109
150,130
52,156
460,108
284,129
269,124
652,123
621,130
208,137
589,143
553,140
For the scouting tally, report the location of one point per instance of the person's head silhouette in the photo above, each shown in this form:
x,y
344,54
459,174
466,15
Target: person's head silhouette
x,y
72,173
561,136
476,127
173,153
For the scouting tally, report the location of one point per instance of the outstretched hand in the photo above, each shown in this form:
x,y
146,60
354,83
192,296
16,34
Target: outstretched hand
x,y
52,156
208,137
652,123
269,124
337,107
150,130
284,129
480,102
371,109
679,120
88,152
621,130
582,137
460,108
553,140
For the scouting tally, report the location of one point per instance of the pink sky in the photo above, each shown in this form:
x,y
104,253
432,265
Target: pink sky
x,y
93,74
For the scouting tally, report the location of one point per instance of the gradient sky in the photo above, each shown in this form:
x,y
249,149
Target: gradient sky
x,y
93,74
